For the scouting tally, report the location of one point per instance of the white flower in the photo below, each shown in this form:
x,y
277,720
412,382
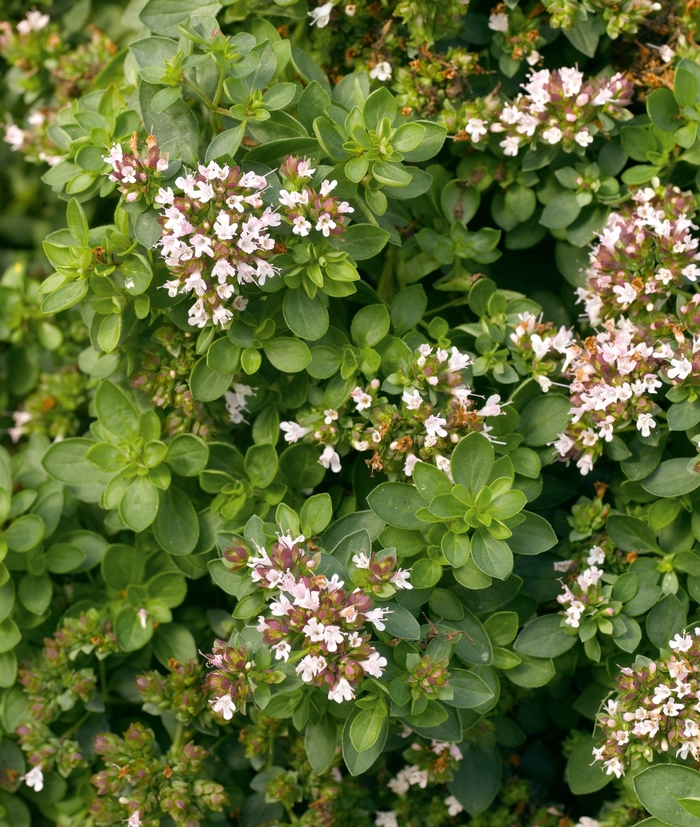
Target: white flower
x,y
321,16
374,665
327,187
293,432
198,316
409,464
143,617
645,422
681,369
330,416
492,407
221,314
350,9
382,71
301,226
498,22
134,820
224,705
400,579
342,691
552,135
361,399
476,129
454,808
223,227
281,650
386,818
330,459
376,616
458,361
34,22
433,425
680,643
585,821
562,565
626,294
614,766
666,53
583,137
571,80
510,146
325,223
412,399
361,560
310,666
533,58
14,136
35,777
202,245
596,556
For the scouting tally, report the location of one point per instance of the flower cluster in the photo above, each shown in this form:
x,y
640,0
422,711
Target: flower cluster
x,y
182,691
539,349
314,621
644,257
55,686
584,597
434,412
656,709
216,236
644,251
560,107
32,140
138,785
137,175
517,35
164,374
51,408
233,670
614,378
620,18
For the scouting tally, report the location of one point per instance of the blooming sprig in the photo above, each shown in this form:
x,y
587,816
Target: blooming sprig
x,y
584,596
314,621
136,173
561,108
655,711
433,763
620,18
540,349
614,377
644,251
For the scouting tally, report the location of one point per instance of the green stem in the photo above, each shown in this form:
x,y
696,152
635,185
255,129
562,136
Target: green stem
x,y
179,737
385,286
219,87
290,812
369,215
453,303
104,690
75,726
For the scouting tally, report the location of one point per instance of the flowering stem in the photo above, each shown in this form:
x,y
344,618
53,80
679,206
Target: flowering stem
x,y
179,737
71,729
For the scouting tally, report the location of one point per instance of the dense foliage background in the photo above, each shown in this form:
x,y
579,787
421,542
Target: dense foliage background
x,y
349,377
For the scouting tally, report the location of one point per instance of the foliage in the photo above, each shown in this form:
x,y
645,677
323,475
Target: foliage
x,y
292,376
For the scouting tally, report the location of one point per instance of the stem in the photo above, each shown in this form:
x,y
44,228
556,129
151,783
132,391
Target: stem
x,y
385,286
453,303
290,812
369,215
104,691
219,87
179,737
75,726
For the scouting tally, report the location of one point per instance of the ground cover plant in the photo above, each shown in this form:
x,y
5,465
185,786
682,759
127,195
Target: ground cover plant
x,y
350,378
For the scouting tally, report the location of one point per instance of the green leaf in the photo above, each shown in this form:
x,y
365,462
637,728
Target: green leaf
x,y
139,505
544,637
407,308
543,419
176,128
164,16
477,779
469,690
631,534
10,635
401,623
532,672
582,775
306,317
173,640
64,297
682,416
433,140
365,729
472,461
316,514
207,384
176,526
672,478
362,241
520,201
116,412
225,143
663,109
561,211
261,464
370,325
25,533
187,455
359,762
492,556
665,620
685,87
379,105
397,503
287,355
320,741
430,481
121,566
456,548
131,633
659,789
533,536
77,222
